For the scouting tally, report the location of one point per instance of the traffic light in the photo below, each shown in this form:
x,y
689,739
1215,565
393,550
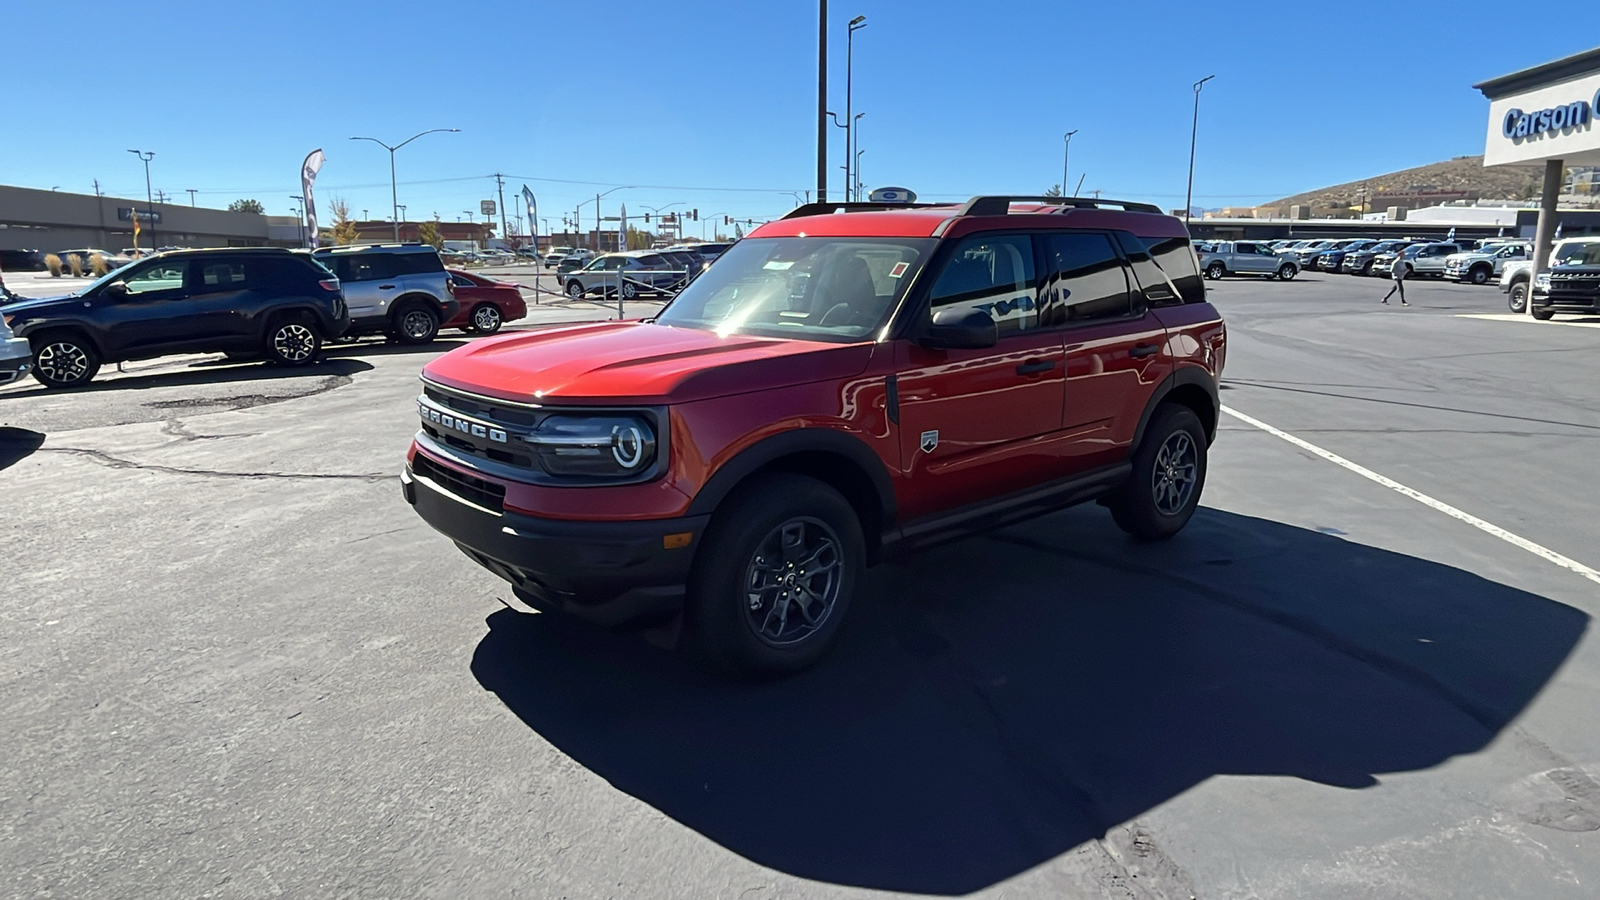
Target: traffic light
x,y
647,218
726,220
695,215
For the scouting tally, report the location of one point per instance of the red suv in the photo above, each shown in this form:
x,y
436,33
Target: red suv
x,y
849,382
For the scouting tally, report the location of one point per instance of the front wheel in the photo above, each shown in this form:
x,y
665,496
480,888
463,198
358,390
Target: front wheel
x,y
1287,271
1169,471
1479,275
64,361
775,576
1543,315
575,290
1215,271
293,342
486,319
1517,299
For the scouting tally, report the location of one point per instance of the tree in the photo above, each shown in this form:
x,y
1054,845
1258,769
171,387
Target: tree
x,y
428,233
249,206
344,229
1053,191
640,240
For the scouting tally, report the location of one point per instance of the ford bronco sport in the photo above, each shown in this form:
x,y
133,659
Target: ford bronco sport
x,y
847,383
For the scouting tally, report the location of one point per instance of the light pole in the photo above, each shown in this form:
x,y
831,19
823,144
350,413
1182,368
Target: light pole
x,y
855,139
1066,156
300,217
858,174
822,100
856,24
1194,129
402,212
657,210
149,200
577,212
394,189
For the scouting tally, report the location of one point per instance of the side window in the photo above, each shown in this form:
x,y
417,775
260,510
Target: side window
x,y
416,263
368,267
221,275
993,273
1244,248
1085,280
460,281
1173,257
162,276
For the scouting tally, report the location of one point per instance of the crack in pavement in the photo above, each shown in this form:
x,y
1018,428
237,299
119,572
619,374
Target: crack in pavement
x,y
116,462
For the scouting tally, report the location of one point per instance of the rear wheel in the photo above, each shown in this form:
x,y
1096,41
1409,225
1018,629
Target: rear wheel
x,y
1169,471
775,576
293,341
1517,298
1215,271
415,323
64,360
1287,271
486,319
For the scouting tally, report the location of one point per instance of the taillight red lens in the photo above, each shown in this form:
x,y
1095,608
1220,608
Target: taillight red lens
x,y
329,284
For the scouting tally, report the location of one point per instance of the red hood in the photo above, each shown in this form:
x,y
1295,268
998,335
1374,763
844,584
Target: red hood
x,y
635,362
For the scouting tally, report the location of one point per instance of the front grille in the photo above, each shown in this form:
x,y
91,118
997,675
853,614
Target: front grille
x,y
482,407
483,493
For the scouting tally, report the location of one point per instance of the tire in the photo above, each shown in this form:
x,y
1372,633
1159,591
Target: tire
x,y
767,533
574,289
1216,270
1286,272
1479,274
415,323
1517,297
486,319
1542,315
629,290
293,341
1156,502
64,360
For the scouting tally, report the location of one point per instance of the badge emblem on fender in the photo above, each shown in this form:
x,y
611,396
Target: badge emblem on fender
x,y
930,440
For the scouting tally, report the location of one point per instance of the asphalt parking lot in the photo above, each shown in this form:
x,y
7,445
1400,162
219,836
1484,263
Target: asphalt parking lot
x,y
239,665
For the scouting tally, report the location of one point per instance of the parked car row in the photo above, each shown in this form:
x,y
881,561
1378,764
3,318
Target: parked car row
x,y
660,273
248,303
1479,263
1571,285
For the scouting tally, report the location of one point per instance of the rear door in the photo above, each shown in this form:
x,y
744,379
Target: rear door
x,y
1114,345
1248,259
977,424
371,282
223,291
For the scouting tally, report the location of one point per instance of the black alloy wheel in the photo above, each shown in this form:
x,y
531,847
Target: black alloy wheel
x,y
293,342
416,324
1169,472
1517,298
486,319
1480,275
64,361
774,576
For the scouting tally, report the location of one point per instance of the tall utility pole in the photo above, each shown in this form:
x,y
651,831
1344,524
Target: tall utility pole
x,y
1066,157
856,24
1194,129
822,100
394,189
500,182
191,197
149,198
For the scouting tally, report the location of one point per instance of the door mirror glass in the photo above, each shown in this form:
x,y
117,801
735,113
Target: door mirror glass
x,y
959,328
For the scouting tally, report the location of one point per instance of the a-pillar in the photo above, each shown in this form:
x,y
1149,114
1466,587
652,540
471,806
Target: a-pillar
x,y
1545,231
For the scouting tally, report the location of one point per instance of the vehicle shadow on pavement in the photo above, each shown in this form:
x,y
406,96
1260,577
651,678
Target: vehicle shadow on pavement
x,y
378,347
17,444
220,371
1005,699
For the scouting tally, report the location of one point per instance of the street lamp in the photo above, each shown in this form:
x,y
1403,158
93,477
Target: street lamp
x,y
300,220
1194,129
1065,157
858,173
394,190
577,211
856,24
149,200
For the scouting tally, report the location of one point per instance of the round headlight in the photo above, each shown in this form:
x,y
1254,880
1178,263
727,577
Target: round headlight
x,y
594,445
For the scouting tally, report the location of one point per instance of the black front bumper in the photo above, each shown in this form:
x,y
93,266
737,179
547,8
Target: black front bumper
x,y
614,573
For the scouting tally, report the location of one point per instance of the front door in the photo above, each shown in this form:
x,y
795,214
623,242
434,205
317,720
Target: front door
x,y
977,424
149,319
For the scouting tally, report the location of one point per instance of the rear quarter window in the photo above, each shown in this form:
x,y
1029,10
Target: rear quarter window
x,y
418,263
1175,258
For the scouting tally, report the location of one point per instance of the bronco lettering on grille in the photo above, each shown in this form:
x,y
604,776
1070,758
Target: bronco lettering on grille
x,y
458,424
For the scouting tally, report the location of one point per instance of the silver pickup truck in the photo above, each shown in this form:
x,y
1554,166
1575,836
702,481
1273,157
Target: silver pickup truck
x,y
1245,258
1479,266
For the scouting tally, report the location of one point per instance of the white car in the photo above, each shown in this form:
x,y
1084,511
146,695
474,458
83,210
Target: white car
x,y
16,356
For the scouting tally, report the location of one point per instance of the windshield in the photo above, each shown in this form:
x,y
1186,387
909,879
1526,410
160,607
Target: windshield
x,y
824,289
1572,255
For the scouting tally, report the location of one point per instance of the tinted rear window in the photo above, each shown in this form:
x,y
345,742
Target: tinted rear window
x,y
418,263
1176,259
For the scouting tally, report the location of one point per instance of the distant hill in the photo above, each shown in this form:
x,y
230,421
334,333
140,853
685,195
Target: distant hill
x,y
1464,175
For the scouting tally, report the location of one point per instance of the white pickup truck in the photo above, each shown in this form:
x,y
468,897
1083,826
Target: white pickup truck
x,y
1515,277
1245,258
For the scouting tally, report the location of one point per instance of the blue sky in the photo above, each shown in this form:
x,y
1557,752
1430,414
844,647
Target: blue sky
x,y
713,103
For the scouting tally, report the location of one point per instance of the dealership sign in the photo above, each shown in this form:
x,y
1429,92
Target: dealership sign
x,y
1518,124
125,214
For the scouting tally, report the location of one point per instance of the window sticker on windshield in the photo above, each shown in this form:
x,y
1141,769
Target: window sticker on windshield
x,y
899,269
778,265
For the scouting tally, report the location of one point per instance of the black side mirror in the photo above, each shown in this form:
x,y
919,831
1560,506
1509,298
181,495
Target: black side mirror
x,y
116,290
960,329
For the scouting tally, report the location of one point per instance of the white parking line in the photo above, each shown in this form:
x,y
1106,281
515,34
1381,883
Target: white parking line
x,y
1488,527
1511,317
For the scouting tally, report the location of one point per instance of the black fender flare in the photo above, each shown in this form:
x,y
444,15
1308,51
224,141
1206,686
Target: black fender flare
x,y
805,440
1180,377
84,329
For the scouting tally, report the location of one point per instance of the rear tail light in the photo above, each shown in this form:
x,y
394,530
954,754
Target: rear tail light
x,y
329,284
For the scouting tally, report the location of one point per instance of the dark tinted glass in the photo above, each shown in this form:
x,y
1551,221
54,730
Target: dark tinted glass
x,y
367,267
417,263
222,274
1176,262
1084,280
993,273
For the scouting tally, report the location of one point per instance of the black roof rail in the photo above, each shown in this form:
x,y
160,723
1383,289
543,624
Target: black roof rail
x,y
1000,205
826,207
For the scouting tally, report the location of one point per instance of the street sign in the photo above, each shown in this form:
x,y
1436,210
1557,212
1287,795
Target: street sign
x,y
487,206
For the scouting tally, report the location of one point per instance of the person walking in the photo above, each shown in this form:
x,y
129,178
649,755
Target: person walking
x,y
1402,268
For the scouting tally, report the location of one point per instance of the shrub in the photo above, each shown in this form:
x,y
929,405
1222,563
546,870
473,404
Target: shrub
x,y
75,263
53,263
99,266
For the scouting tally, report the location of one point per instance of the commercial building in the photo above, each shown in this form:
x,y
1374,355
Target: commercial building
x,y
1547,115
33,219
